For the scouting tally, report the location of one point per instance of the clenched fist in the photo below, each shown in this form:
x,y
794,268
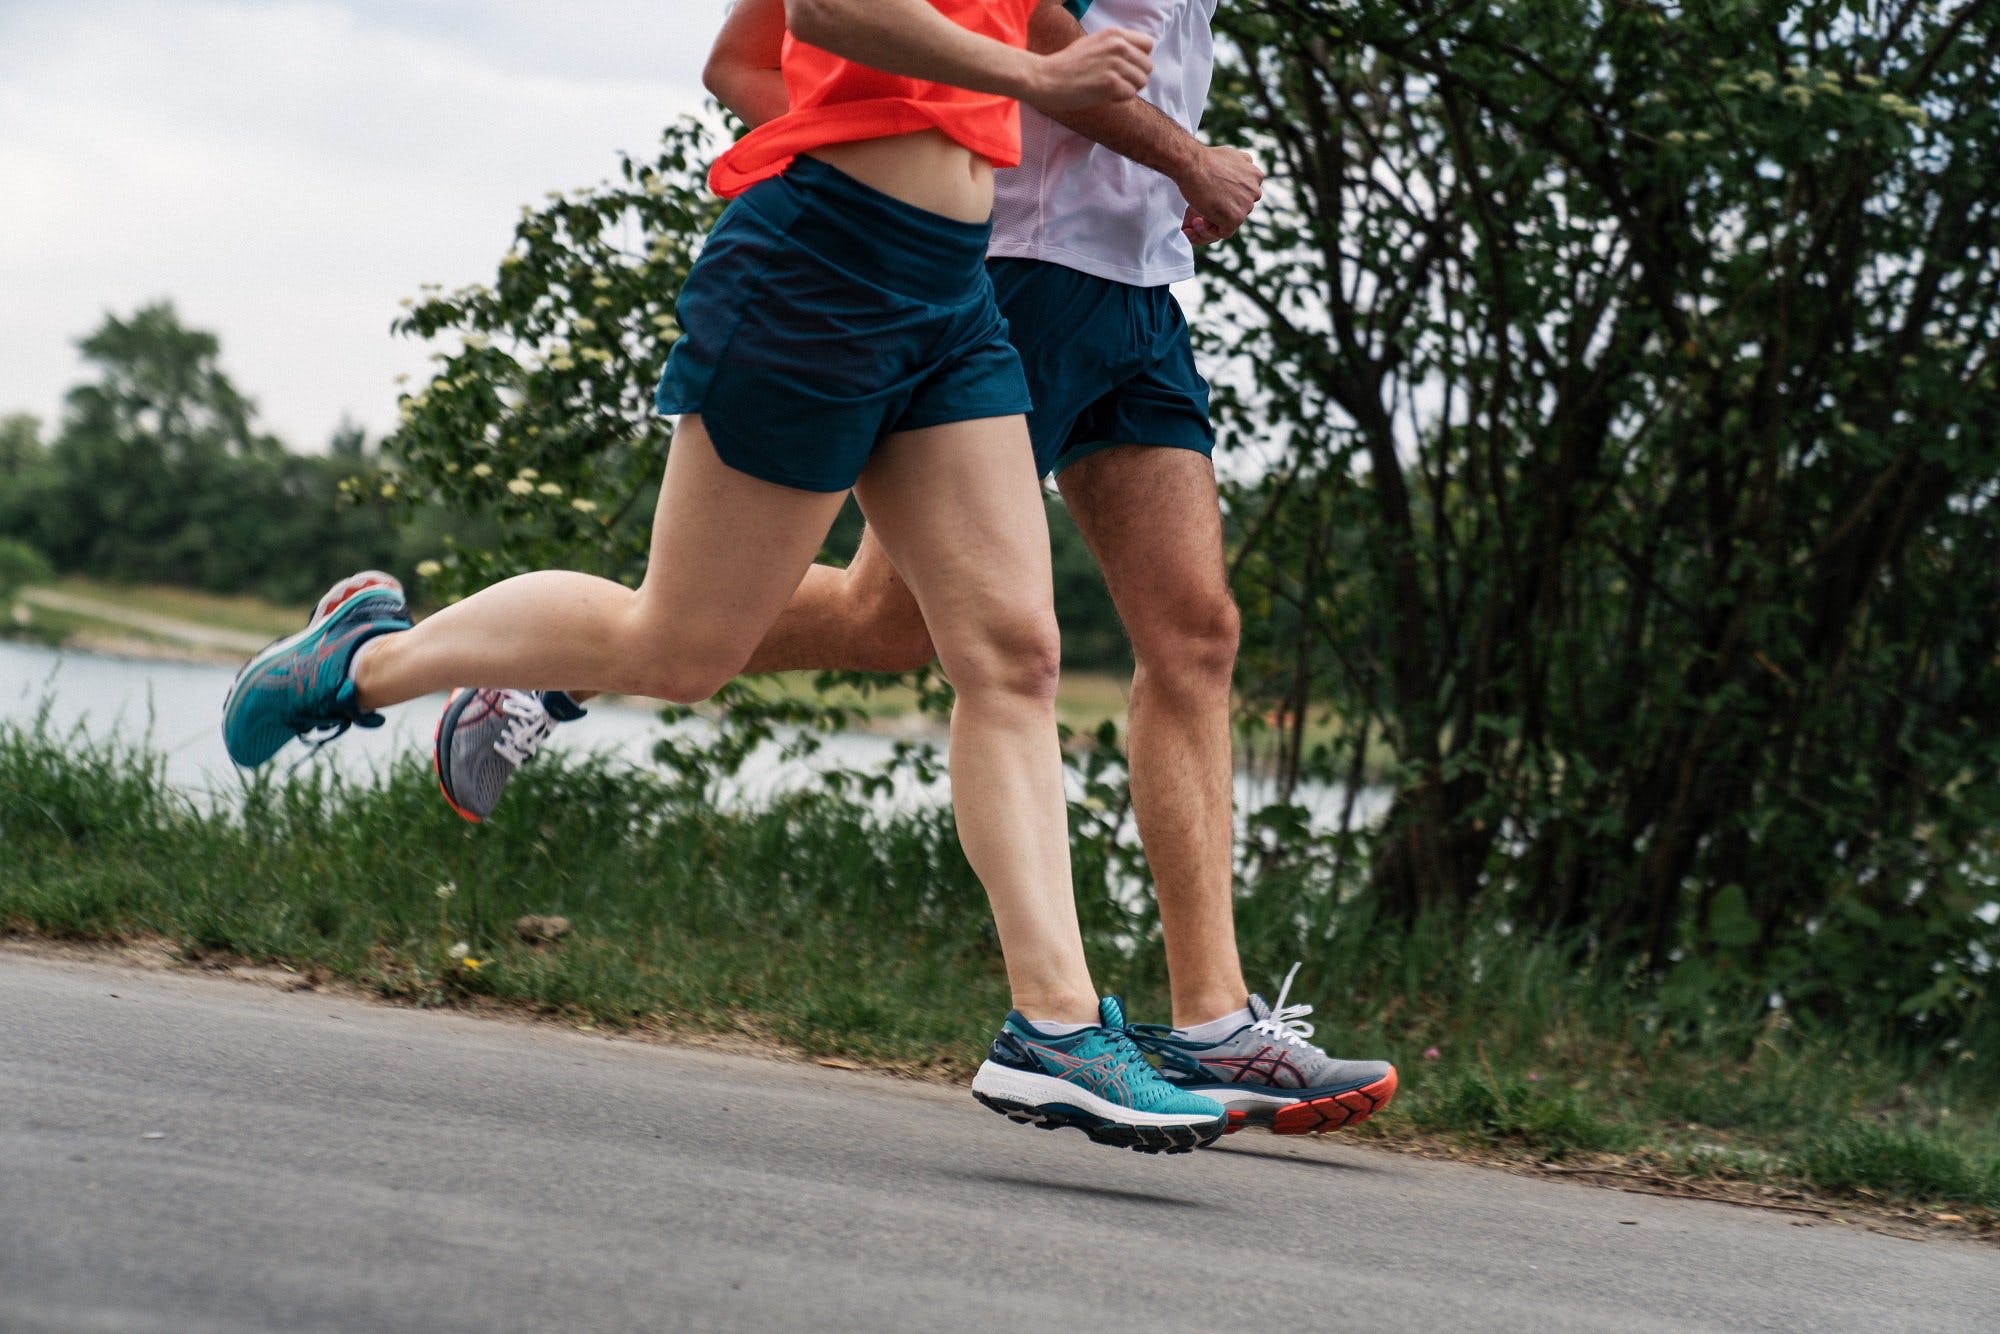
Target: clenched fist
x,y
1108,66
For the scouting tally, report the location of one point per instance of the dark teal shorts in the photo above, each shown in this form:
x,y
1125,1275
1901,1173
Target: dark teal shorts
x,y
823,317
1109,363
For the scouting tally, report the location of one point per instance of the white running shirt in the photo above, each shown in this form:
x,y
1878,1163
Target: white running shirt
x,y
1076,203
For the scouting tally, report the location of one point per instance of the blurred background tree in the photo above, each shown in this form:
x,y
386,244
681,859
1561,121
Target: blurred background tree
x,y
1628,372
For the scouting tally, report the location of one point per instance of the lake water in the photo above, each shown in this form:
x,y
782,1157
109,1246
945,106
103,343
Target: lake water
x,y
176,709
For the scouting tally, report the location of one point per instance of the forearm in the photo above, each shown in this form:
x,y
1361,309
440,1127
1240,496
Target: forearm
x,y
910,38
1134,128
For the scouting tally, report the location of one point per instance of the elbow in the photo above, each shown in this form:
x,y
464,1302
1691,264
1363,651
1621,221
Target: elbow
x,y
715,78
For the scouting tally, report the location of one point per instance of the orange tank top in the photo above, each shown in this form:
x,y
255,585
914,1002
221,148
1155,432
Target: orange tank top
x,y
835,101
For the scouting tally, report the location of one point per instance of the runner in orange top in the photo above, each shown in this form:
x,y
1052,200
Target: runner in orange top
x,y
830,100
840,331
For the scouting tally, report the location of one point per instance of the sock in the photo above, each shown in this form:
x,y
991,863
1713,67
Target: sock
x,y
354,658
1215,1030
1055,1028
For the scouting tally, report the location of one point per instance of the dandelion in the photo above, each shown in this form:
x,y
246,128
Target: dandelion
x,y
459,951
549,489
521,488
482,470
582,506
470,965
429,569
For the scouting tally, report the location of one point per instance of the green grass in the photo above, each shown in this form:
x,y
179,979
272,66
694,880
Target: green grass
x,y
815,924
231,612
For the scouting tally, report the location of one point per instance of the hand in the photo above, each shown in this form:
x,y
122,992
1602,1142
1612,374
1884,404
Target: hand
x,y
1221,186
1198,230
1108,66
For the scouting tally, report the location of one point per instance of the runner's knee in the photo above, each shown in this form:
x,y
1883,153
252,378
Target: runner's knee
x,y
1192,638
686,668
1007,652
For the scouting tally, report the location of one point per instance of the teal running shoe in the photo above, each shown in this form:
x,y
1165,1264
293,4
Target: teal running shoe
x,y
298,686
1097,1081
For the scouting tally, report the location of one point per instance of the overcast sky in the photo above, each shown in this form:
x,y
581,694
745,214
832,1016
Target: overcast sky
x,y
287,170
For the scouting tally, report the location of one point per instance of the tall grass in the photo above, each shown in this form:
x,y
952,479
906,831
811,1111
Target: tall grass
x,y
821,923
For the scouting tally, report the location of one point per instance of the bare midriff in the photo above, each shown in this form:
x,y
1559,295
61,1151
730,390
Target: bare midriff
x,y
928,170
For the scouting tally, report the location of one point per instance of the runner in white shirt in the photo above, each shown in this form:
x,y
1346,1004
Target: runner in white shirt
x,y
1088,233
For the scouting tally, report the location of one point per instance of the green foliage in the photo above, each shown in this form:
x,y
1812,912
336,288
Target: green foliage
x,y
160,474
20,566
1627,380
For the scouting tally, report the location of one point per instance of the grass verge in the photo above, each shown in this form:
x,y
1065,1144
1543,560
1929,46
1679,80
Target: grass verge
x,y
842,933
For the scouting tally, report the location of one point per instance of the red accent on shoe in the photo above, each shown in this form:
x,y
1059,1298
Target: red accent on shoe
x,y
1335,1111
437,766
360,583
1237,1120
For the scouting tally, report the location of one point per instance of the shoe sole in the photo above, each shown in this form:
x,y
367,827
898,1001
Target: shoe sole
x,y
272,740
348,587
440,764
1316,1116
1140,1139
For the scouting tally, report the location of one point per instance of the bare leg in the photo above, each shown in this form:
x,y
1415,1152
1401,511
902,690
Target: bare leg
x,y
728,551
1151,518
860,619
959,511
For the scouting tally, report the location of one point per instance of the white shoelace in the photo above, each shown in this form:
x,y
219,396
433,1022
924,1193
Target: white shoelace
x,y
1285,1022
526,729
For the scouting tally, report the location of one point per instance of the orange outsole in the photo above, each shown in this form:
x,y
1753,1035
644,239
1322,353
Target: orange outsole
x,y
1336,1111
437,766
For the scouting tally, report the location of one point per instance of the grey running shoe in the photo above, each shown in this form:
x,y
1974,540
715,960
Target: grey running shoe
x,y
486,734
1268,1073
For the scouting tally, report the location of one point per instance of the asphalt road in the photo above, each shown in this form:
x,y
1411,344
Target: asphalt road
x,y
181,1153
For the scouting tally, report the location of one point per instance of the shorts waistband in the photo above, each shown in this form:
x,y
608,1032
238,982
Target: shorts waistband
x,y
879,237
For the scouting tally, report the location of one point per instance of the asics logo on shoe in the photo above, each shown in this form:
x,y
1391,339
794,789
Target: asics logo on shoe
x,y
1103,1074
1267,1066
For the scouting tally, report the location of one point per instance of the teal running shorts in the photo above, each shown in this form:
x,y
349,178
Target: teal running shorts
x,y
1110,363
824,316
